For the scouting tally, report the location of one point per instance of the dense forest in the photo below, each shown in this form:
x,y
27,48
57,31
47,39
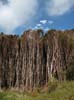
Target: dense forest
x,y
31,60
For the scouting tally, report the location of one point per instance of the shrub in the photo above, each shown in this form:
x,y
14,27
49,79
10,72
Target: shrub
x,y
52,85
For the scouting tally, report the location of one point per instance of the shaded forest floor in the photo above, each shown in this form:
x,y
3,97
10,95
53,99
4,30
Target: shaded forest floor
x,y
54,91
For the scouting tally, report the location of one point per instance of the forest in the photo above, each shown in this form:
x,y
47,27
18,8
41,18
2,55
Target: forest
x,y
29,61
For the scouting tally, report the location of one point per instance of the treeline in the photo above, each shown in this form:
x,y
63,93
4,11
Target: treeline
x,y
32,60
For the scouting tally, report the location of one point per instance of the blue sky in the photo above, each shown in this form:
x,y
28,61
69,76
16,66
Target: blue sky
x,y
17,16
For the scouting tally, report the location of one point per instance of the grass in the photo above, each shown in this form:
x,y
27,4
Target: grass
x,y
61,91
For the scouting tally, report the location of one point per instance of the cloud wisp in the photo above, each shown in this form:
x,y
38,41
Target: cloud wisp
x,y
59,7
43,21
43,24
16,13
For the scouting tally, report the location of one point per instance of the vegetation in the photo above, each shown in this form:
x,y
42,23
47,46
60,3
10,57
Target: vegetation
x,y
29,63
61,91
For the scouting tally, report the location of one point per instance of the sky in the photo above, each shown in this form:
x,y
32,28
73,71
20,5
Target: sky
x,y
16,16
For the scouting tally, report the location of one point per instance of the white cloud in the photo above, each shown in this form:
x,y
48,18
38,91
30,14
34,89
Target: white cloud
x,y
43,21
16,13
38,25
59,7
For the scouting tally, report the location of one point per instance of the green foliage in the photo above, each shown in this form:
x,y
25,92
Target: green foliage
x,y
62,91
70,71
52,85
